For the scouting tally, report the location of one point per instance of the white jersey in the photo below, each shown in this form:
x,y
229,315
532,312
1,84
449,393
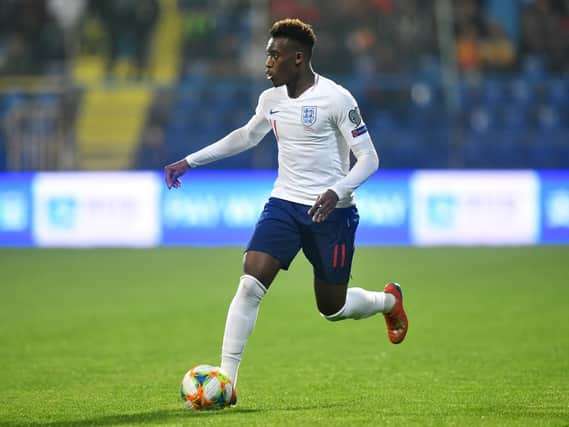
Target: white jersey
x,y
314,133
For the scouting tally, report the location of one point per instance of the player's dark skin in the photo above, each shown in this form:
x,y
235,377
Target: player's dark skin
x,y
288,63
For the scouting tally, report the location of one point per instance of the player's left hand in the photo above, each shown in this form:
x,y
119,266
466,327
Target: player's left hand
x,y
324,205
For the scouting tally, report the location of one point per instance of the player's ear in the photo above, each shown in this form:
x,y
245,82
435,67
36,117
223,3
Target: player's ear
x,y
299,57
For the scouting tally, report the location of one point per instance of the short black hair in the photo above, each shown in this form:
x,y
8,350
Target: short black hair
x,y
295,29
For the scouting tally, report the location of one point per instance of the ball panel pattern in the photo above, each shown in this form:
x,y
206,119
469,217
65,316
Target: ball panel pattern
x,y
206,387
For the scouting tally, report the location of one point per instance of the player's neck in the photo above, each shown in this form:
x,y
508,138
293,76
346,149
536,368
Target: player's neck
x,y
299,86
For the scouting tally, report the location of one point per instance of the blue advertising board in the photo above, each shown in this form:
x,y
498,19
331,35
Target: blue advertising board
x,y
15,209
214,208
554,205
384,204
221,208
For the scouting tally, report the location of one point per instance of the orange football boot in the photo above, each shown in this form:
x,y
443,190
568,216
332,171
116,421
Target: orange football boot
x,y
396,319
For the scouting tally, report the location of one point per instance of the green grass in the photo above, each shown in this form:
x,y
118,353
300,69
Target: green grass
x,y
103,337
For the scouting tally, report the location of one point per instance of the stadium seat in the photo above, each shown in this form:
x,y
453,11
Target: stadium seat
x,y
48,99
521,92
494,149
548,118
483,120
551,135
557,92
501,118
514,117
507,152
534,68
544,154
3,154
9,101
493,94
469,96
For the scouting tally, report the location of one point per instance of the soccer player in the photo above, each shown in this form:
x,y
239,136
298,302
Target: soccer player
x,y
316,124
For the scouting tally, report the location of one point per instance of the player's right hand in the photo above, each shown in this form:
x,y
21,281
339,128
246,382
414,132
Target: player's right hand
x,y
324,205
174,171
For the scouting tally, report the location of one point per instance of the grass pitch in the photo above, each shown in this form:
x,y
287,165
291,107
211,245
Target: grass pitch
x,y
103,337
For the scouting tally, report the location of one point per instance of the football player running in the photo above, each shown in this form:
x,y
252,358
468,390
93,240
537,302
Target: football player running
x,y
316,124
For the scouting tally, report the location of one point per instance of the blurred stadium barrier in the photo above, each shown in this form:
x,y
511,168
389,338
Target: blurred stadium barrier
x,y
217,208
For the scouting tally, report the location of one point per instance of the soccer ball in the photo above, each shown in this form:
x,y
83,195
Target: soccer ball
x,y
206,387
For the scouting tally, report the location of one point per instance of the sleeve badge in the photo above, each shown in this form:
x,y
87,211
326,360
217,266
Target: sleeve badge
x,y
354,116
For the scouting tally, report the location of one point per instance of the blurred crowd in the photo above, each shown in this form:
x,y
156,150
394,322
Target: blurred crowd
x,y
41,36
511,58
31,37
394,36
387,36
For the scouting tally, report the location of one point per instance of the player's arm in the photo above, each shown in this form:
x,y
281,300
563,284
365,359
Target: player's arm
x,y
367,162
355,133
234,143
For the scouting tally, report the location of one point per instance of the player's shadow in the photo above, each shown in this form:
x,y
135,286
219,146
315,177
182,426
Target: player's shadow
x,y
146,418
177,416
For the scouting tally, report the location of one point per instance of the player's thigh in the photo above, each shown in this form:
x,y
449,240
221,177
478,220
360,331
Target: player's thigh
x,y
329,246
274,243
330,297
262,266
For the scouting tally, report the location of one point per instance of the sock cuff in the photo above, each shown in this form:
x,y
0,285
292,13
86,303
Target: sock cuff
x,y
252,283
339,315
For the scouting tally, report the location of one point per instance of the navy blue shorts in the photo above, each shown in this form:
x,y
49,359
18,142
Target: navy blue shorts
x,y
285,227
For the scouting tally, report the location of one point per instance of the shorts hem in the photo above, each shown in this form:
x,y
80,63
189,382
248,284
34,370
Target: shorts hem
x,y
284,265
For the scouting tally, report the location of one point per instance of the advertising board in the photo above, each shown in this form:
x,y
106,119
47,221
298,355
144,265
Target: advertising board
x,y
474,208
96,209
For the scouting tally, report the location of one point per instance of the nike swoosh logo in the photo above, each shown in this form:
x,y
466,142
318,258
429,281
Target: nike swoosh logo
x,y
274,111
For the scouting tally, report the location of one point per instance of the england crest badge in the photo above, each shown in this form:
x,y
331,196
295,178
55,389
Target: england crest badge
x,y
308,116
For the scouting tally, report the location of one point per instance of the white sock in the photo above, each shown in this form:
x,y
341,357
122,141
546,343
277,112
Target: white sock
x,y
361,304
241,319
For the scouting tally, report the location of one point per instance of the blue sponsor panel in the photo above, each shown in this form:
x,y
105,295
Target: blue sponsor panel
x,y
15,209
214,208
554,204
384,202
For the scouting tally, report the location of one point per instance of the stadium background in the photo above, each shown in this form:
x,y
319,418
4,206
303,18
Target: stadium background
x,y
467,103
132,85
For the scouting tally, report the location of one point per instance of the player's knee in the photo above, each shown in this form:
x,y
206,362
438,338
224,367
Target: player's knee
x,y
261,266
251,286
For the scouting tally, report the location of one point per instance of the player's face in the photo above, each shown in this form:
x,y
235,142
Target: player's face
x,y
281,64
